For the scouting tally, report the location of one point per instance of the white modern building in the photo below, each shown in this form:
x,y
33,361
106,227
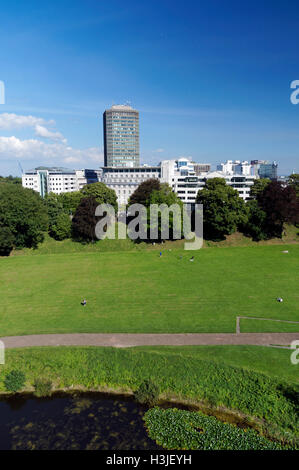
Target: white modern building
x,y
235,167
125,180
58,180
181,176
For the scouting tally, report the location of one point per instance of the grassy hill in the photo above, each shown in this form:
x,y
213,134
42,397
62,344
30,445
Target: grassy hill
x,y
51,246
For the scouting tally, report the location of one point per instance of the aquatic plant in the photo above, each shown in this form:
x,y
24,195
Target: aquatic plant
x,y
180,429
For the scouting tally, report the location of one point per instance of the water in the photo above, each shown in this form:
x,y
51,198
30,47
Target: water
x,y
83,421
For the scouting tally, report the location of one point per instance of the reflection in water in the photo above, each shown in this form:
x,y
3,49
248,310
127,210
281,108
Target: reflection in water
x,y
93,421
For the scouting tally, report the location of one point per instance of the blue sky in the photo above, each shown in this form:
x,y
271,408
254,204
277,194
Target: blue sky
x,y
211,79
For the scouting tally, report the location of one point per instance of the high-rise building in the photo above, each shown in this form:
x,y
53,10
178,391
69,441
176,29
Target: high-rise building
x,y
121,136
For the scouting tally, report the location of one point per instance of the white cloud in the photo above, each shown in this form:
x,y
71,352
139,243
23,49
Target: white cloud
x,y
42,131
10,121
33,149
159,150
53,152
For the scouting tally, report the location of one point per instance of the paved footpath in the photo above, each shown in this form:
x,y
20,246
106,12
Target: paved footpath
x,y
122,340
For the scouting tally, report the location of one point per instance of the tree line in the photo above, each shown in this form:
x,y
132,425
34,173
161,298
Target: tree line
x,y
25,217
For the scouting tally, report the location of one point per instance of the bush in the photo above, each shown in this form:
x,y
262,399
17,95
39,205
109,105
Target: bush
x,y
180,429
147,393
14,380
42,387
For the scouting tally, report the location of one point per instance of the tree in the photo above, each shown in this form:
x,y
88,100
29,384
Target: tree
x,y
23,212
84,220
165,196
70,201
255,227
142,193
6,241
59,218
280,205
101,193
54,207
258,186
62,228
223,209
156,198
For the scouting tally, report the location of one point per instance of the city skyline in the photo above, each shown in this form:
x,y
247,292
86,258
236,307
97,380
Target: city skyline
x,y
218,89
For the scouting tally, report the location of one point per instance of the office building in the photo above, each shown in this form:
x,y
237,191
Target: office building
x,y
180,175
124,180
58,180
121,137
265,169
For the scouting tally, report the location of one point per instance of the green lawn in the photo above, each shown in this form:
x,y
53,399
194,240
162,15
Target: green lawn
x,y
268,326
137,291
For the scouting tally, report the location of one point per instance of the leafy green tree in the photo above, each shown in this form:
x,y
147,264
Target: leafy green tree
x,y
155,196
84,221
101,193
165,196
223,209
258,186
142,193
70,201
6,241
62,228
54,207
255,227
23,212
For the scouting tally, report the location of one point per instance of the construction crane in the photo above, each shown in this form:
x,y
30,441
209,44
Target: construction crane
x,y
20,166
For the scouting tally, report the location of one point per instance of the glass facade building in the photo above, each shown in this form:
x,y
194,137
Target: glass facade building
x,y
121,137
265,169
